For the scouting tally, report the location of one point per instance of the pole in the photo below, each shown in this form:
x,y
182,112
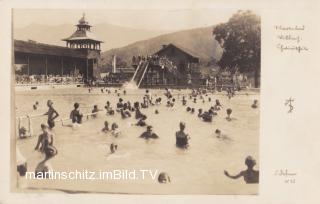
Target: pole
x,y
114,64
87,71
61,70
28,65
46,66
61,66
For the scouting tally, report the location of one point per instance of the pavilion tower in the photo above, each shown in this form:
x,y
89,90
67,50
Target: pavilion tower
x,y
83,38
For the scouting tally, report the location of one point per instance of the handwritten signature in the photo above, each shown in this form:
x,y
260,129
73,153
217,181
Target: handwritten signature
x,y
289,177
284,172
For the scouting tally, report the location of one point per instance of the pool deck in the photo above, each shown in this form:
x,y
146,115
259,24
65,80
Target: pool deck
x,y
32,87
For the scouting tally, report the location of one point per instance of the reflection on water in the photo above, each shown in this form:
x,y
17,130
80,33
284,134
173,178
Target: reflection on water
x,y
201,165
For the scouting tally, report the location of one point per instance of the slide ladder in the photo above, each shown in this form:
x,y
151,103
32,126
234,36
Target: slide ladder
x,y
140,72
144,72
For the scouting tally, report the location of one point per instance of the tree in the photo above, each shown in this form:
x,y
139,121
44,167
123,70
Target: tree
x,y
240,39
120,62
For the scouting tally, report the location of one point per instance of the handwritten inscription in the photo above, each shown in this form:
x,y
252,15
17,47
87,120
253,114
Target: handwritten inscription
x,y
289,103
290,38
294,28
289,177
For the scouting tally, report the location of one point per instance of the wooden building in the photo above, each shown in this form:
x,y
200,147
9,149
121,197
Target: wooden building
x,y
80,56
172,65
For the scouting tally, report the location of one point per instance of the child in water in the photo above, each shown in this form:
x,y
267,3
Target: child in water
x,y
138,113
45,139
52,114
113,148
218,105
145,103
149,134
172,102
255,104
95,111
168,93
221,136
229,111
148,97
35,106
164,178
109,109
141,122
120,103
184,101
158,101
125,114
200,113
115,130
218,133
105,129
207,116
75,114
249,175
182,138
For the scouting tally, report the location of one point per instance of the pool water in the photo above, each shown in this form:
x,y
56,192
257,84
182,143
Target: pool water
x,y
197,170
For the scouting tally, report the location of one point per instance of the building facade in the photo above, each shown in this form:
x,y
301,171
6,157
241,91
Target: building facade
x,y
81,56
172,65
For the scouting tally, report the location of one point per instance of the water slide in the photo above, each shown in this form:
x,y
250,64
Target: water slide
x,y
140,72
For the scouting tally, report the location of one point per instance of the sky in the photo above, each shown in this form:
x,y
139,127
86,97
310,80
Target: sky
x,y
170,19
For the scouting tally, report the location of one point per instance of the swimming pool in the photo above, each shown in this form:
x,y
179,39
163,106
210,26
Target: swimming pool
x,y
198,170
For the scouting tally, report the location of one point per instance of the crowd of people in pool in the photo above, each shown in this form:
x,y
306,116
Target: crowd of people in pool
x,y
45,142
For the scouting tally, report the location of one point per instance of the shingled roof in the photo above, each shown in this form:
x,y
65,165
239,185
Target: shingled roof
x,y
192,55
33,47
82,35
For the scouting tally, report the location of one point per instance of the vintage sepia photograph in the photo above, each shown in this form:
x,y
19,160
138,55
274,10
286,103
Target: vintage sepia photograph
x,y
145,101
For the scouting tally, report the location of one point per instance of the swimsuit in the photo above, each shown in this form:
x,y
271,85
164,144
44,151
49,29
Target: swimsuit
x,y
75,116
51,123
181,141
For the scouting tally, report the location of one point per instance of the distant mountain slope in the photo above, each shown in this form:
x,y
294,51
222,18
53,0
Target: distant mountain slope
x,y
199,41
113,36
